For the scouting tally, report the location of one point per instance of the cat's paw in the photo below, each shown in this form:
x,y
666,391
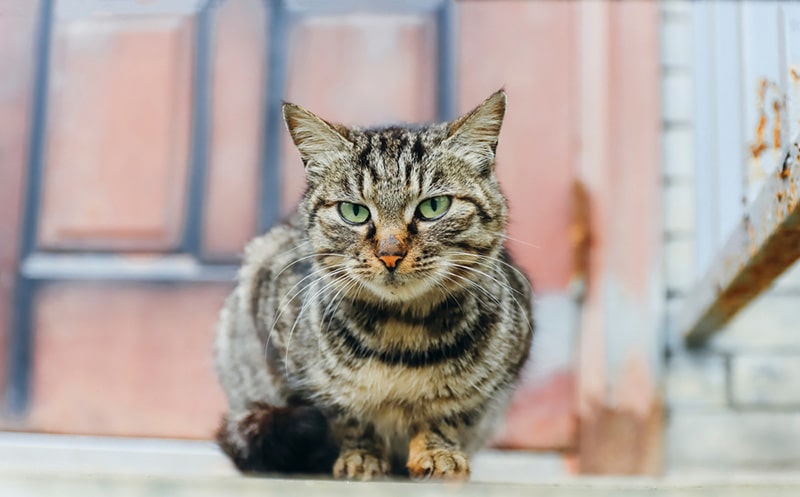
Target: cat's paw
x,y
439,463
359,465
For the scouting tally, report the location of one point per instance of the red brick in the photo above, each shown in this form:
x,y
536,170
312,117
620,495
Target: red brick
x,y
126,360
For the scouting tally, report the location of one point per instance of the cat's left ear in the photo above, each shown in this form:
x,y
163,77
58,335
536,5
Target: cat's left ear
x,y
318,141
475,134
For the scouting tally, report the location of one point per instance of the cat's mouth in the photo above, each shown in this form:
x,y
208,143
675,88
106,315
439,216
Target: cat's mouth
x,y
393,280
400,286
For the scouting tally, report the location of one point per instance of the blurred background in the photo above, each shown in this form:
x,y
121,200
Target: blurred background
x,y
141,146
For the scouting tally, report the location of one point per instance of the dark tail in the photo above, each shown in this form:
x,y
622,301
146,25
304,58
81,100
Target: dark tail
x,y
293,439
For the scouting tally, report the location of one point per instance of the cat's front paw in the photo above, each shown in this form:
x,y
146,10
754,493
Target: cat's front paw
x,y
439,463
359,465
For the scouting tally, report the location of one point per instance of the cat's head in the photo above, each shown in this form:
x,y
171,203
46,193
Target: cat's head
x,y
400,212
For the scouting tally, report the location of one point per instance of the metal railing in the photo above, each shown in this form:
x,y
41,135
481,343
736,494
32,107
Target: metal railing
x,y
747,159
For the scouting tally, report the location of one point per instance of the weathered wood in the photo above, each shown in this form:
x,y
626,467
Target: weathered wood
x,y
619,404
763,245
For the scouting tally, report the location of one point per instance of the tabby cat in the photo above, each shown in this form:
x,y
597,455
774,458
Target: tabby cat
x,y
381,329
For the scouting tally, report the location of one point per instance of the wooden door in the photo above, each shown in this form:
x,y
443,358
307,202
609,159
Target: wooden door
x,y
156,151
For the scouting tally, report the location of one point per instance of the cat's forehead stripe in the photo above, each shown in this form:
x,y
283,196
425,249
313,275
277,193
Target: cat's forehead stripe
x,y
388,158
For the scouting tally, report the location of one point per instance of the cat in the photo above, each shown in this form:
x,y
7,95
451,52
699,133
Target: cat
x,y
381,329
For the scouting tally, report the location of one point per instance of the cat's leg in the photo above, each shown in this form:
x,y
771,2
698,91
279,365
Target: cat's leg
x,y
362,452
265,439
434,452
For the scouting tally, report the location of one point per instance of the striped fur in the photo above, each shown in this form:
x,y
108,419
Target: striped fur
x,y
408,368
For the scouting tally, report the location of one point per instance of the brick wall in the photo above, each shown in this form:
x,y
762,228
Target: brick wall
x,y
735,404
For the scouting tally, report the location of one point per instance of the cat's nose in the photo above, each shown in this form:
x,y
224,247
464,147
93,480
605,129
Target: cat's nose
x,y
390,261
391,251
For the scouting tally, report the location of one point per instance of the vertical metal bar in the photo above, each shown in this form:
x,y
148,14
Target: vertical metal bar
x,y
20,350
270,194
790,76
446,61
705,178
21,333
729,154
201,122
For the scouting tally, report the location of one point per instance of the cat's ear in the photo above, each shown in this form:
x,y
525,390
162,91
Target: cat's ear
x,y
318,141
475,134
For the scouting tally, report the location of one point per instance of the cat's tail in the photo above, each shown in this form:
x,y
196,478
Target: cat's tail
x,y
267,439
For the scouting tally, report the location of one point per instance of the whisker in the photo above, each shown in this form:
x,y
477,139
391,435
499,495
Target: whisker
x,y
342,291
296,247
506,285
523,242
479,287
306,257
283,305
336,270
308,301
446,292
500,261
331,269
466,289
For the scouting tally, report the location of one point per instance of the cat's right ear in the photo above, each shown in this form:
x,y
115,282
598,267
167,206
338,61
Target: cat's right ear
x,y
475,134
318,141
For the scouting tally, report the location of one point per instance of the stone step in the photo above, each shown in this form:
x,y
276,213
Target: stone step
x,y
66,466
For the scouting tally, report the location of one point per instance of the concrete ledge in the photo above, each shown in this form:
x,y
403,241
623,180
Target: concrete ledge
x,y
82,485
148,458
46,465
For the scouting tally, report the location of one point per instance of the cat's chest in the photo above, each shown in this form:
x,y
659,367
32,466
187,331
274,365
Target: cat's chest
x,y
375,387
402,368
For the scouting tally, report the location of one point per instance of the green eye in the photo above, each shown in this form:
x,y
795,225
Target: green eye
x,y
433,207
353,213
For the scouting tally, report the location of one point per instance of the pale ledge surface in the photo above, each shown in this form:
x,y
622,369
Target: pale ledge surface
x,y
45,465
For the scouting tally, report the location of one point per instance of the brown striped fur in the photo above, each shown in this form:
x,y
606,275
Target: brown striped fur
x,y
403,337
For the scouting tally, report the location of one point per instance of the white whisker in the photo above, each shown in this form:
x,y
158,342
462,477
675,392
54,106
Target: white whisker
x,y
522,242
499,261
301,259
338,269
308,301
505,285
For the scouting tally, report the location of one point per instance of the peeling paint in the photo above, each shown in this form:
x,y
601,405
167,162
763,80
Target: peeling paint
x,y
794,73
580,239
766,243
770,117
